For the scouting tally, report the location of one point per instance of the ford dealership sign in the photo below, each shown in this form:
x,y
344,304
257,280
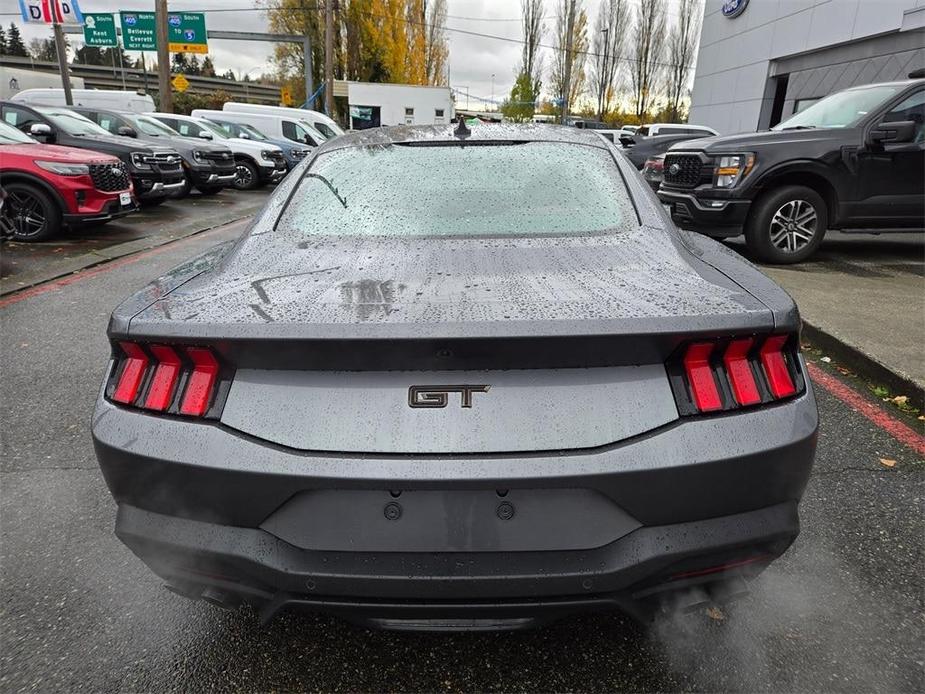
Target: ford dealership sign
x,y
733,8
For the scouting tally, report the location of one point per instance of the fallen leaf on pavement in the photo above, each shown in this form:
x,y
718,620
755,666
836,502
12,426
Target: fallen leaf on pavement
x,y
888,462
900,400
827,360
715,613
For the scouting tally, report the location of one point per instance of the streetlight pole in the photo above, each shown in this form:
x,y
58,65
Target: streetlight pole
x,y
491,107
604,77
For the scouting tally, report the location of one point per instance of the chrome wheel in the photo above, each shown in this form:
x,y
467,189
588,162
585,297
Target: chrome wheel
x,y
244,177
25,214
794,225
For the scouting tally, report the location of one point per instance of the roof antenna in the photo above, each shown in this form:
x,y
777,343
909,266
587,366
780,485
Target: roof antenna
x,y
462,131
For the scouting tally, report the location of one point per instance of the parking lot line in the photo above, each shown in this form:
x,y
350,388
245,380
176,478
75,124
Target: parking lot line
x,y
857,402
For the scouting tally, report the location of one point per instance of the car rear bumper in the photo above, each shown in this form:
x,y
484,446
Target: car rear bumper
x,y
715,217
211,510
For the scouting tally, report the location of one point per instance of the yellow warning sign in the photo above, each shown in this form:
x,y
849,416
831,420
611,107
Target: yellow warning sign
x,y
180,83
285,95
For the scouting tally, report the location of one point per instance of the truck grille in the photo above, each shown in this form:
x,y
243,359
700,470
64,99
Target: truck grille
x,y
165,162
109,177
218,157
682,170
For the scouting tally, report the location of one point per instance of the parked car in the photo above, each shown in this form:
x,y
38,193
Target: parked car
x,y
208,167
322,123
256,163
648,147
379,404
48,188
110,99
292,130
654,129
296,138
854,160
155,171
293,154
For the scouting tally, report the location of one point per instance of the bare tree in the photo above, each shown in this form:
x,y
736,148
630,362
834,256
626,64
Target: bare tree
x,y
682,43
436,48
568,67
648,49
610,31
532,13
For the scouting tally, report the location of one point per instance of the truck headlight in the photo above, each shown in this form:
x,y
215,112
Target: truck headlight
x,y
63,169
198,156
732,168
296,153
267,154
139,160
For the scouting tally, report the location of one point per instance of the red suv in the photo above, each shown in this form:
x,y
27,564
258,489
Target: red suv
x,y
48,188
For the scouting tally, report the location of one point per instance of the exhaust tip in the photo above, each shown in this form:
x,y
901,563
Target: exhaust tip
x,y
184,590
219,598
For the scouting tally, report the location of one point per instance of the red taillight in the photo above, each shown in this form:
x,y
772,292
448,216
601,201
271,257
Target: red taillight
x,y
700,377
165,377
775,367
133,371
744,388
727,374
201,381
159,378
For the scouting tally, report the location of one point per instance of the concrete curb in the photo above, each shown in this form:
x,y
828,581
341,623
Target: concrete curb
x,y
864,365
110,253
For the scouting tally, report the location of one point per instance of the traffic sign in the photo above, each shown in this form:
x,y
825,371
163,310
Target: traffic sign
x,y
100,30
51,11
285,95
139,31
186,32
180,83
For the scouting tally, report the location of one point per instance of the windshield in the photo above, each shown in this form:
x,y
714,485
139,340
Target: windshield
x,y
212,127
316,134
150,126
11,136
237,129
518,189
73,123
841,110
329,132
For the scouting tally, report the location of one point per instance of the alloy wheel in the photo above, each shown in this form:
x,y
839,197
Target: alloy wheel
x,y
25,213
794,225
244,177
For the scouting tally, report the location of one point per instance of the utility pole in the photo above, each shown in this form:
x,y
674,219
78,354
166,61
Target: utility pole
x,y
163,57
569,28
61,50
606,71
329,57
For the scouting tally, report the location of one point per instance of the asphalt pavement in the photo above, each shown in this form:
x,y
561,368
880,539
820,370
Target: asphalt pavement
x,y
841,611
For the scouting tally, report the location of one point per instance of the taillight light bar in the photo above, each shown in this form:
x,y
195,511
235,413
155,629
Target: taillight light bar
x,y
718,375
171,379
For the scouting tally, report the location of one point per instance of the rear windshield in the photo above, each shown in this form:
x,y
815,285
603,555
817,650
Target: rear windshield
x,y
529,189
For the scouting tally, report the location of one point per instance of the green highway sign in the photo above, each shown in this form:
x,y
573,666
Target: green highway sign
x,y
139,31
100,30
186,32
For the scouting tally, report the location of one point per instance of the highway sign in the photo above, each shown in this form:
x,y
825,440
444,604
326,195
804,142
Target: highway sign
x,y
180,83
100,30
139,31
186,32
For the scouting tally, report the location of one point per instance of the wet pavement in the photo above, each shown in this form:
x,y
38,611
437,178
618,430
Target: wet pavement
x,y
841,611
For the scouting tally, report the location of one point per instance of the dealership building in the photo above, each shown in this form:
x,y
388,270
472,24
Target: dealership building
x,y
760,61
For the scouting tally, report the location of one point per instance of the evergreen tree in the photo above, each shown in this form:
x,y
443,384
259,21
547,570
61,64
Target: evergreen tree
x,y
179,63
89,55
44,50
229,75
207,69
192,65
3,48
14,43
520,106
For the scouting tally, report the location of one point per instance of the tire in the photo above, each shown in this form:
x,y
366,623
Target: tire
x,y
185,190
33,214
209,190
153,202
247,177
786,225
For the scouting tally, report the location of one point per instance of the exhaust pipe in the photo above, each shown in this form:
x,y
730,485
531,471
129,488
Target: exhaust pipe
x,y
190,591
728,591
686,601
219,598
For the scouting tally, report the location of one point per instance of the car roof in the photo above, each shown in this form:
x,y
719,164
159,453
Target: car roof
x,y
897,83
503,132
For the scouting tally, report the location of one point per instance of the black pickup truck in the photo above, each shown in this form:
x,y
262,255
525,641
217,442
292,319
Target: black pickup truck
x,y
854,160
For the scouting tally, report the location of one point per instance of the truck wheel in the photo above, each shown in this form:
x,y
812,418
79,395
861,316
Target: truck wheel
x,y
209,190
246,177
786,225
185,190
31,212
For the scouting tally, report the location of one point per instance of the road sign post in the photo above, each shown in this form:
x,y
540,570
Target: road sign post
x,y
186,32
100,30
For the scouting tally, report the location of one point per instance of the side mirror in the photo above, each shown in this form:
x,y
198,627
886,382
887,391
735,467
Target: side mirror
x,y
244,136
627,140
205,134
41,131
125,131
900,131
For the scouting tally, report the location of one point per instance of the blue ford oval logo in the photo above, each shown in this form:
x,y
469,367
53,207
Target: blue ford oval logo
x,y
733,8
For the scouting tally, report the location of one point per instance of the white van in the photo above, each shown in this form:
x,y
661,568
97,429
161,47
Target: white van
x,y
317,120
110,99
271,125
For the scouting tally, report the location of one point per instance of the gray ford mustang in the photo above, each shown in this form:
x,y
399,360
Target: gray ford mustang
x,y
458,378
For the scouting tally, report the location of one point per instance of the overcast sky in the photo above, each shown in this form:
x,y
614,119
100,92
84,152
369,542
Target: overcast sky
x,y
473,59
